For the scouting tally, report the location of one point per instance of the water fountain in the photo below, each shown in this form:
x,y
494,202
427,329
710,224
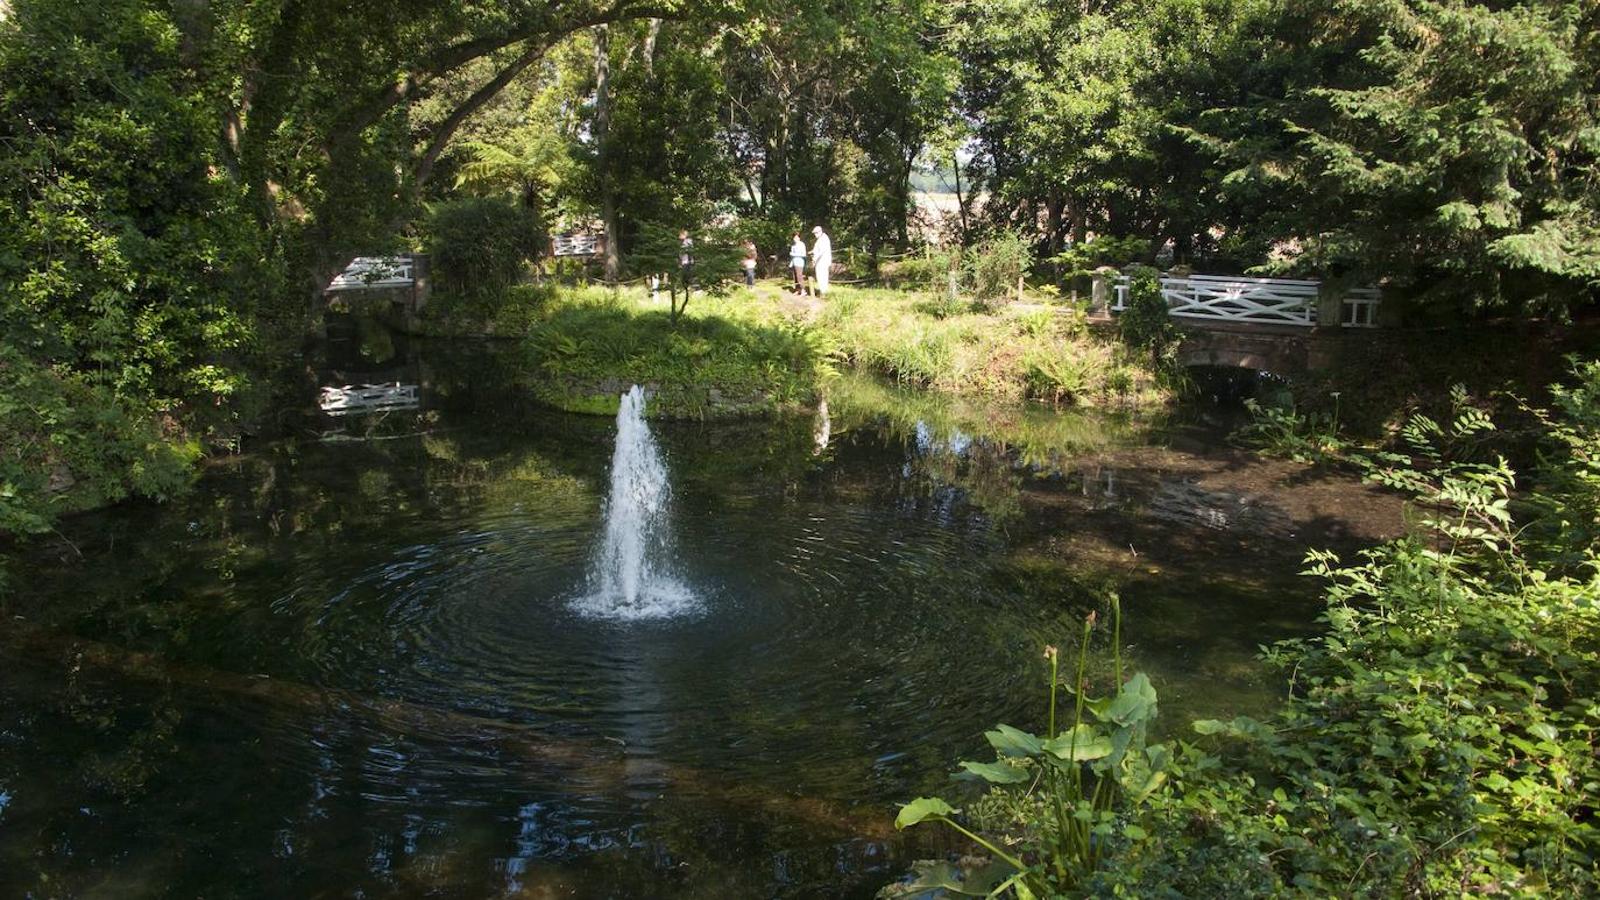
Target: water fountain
x,y
629,577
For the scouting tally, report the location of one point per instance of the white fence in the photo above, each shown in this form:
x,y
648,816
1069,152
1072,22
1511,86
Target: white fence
x,y
576,244
373,272
1273,301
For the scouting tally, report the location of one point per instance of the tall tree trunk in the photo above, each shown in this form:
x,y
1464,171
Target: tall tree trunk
x,y
650,35
602,140
903,214
1052,230
961,203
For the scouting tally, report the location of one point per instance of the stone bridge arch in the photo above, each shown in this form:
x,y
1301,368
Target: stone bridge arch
x,y
1263,351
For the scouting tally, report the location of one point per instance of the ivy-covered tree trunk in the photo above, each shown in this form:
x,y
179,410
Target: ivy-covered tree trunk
x,y
602,140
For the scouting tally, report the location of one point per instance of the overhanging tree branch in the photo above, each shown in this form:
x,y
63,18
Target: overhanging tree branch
x,y
548,30
448,128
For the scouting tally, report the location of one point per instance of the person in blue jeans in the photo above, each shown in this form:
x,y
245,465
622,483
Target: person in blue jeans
x,y
797,262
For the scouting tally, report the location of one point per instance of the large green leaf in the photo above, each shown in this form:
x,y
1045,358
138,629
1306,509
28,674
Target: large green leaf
x,y
996,772
1080,744
1008,741
980,882
1135,703
921,809
1141,781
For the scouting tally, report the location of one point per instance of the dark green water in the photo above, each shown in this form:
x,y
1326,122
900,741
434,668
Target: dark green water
x,y
348,664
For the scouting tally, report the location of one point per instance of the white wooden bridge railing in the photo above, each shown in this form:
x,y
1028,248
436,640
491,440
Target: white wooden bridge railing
x,y
1273,301
373,272
576,244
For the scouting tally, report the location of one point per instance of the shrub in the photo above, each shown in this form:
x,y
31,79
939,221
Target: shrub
x,y
928,271
1056,373
480,247
72,445
1145,323
993,268
1080,260
1439,740
1285,432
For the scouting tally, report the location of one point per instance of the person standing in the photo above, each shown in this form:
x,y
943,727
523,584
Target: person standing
x,y
686,259
749,262
821,259
797,262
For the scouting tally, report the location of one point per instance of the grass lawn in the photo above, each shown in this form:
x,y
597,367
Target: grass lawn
x,y
765,350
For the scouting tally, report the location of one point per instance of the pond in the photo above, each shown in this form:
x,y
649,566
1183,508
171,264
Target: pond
x,y
354,661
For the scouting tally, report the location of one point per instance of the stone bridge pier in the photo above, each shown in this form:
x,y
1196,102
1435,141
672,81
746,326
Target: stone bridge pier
x,y
1265,348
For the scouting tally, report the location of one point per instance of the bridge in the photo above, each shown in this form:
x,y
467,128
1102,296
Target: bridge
x,y
1280,325
400,282
403,279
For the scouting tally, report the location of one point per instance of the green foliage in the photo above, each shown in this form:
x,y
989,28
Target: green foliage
x,y
1448,146
994,268
1439,739
926,271
129,278
716,254
1145,323
1283,431
1055,375
716,361
513,312
944,306
480,247
1565,495
954,348
1082,259
1064,799
119,255
71,445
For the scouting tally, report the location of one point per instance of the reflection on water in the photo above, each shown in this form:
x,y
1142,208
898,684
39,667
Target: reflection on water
x,y
351,667
345,400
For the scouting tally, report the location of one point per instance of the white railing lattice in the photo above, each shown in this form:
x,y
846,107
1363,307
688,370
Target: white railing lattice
x,y
374,272
1272,301
575,244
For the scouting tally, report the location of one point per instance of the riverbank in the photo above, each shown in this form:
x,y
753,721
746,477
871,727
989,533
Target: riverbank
x,y
1437,739
764,350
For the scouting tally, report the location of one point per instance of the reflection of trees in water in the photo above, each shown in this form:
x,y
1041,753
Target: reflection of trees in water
x,y
988,451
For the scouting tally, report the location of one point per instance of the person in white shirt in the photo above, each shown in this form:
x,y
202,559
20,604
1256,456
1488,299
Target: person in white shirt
x,y
821,258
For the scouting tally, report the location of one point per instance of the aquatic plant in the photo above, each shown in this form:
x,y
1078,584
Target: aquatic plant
x,y
1069,794
1284,431
1441,739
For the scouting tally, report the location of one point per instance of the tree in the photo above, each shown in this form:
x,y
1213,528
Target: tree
x,y
1450,147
